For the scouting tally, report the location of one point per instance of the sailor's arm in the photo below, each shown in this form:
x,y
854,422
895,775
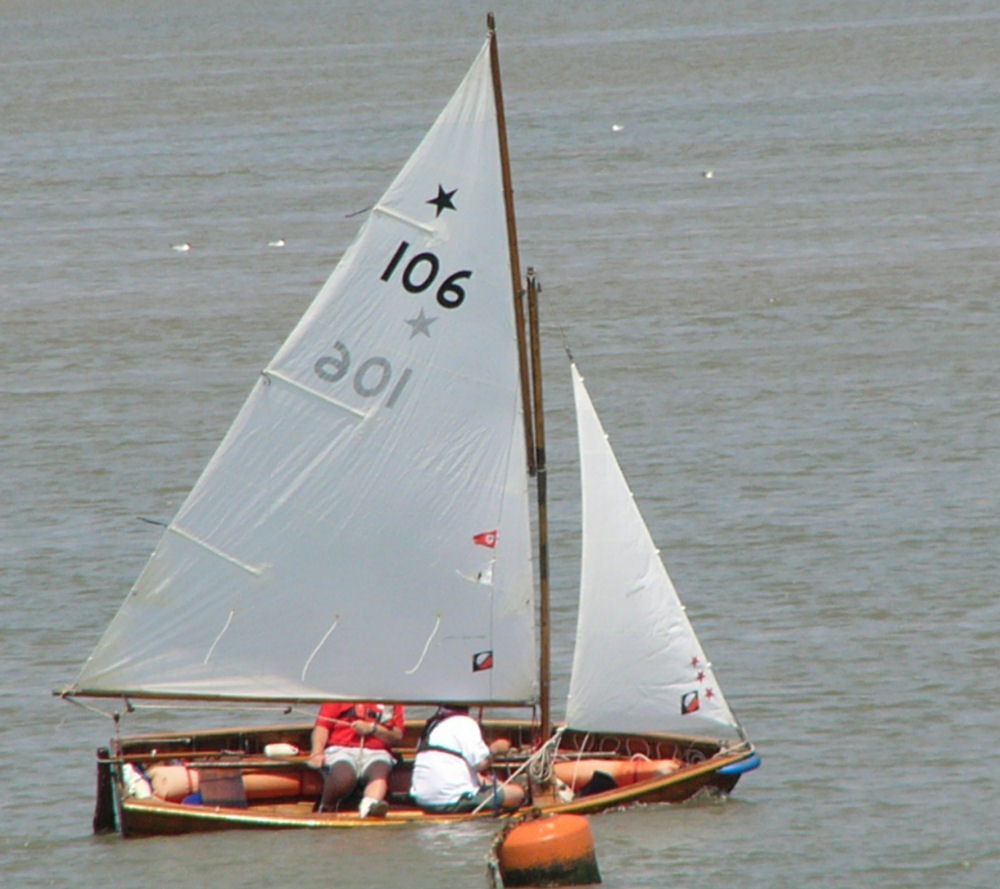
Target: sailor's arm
x,y
320,735
499,747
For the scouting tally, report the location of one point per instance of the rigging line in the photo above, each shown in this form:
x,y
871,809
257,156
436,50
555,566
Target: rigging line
x,y
89,707
564,339
315,651
541,765
427,645
547,749
297,708
149,521
737,724
579,758
229,620
484,577
207,706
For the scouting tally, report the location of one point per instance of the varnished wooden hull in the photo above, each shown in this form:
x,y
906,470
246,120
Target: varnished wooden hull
x,y
699,766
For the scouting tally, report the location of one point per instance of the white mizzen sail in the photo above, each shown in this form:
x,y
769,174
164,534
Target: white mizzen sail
x,y
363,531
637,666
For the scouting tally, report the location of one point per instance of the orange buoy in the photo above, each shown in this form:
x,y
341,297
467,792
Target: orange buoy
x,y
557,850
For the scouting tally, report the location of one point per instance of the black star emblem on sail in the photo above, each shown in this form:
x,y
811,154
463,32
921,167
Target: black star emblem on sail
x,y
443,200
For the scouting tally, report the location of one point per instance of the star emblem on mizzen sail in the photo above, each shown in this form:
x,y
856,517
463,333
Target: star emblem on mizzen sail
x,y
443,200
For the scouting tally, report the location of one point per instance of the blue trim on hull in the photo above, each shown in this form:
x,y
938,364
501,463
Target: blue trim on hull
x,y
744,765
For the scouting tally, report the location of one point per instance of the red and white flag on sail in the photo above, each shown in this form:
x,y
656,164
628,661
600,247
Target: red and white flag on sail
x,y
487,538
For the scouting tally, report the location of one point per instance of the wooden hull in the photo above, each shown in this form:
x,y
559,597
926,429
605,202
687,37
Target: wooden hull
x,y
279,793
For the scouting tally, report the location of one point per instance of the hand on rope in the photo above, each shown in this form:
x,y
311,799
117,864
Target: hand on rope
x,y
544,755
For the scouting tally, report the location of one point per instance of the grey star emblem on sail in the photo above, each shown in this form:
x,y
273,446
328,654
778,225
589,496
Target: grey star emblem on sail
x,y
420,324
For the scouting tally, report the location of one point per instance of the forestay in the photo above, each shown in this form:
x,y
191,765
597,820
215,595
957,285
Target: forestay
x,y
637,666
362,531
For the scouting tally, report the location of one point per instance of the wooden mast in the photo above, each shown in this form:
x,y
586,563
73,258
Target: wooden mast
x,y
515,265
531,391
541,481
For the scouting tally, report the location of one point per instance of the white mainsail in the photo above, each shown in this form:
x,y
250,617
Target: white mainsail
x,y
637,665
363,531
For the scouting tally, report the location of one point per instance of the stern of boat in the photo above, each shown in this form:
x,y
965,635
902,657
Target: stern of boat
x,y
107,798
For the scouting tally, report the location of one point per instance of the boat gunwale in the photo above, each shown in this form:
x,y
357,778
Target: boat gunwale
x,y
234,818
153,816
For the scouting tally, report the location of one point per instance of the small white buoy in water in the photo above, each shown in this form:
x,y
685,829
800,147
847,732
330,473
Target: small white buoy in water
x,y
278,243
181,248
708,174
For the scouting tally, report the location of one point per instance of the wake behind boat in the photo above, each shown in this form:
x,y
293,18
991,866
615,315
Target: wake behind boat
x,y
364,533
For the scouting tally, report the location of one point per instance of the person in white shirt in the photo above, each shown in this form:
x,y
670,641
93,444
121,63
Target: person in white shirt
x,y
450,756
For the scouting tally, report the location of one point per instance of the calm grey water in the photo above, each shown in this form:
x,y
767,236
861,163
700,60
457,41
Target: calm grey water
x,y
796,359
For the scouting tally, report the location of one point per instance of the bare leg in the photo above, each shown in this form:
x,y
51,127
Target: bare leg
x,y
338,783
511,796
376,777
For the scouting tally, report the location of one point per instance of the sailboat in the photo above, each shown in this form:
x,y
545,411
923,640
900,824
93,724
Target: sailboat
x,y
366,532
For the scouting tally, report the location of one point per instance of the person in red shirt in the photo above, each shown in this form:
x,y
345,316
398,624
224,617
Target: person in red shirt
x,y
352,744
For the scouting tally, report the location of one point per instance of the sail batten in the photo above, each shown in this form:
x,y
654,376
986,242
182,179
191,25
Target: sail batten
x,y
406,220
215,551
272,374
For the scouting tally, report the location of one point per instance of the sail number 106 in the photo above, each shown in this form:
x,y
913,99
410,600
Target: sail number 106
x,y
420,273
371,377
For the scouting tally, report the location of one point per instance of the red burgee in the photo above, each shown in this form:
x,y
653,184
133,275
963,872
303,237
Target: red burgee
x,y
487,538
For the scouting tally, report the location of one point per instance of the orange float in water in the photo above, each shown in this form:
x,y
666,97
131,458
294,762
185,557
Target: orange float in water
x,y
553,851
